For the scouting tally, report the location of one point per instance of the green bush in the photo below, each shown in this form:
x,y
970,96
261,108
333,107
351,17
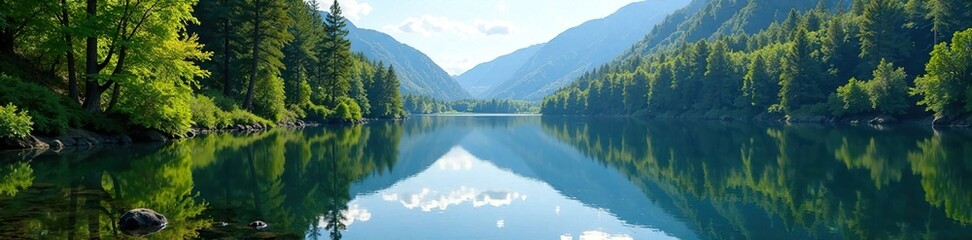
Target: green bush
x,y
853,98
239,116
205,113
43,105
14,123
347,110
316,112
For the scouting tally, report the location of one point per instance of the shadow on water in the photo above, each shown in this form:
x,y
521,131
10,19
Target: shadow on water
x,y
705,180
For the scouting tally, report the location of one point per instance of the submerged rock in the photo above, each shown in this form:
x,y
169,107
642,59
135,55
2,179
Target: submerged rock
x,y
142,221
258,225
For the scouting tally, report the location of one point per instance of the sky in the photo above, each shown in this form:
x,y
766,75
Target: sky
x,y
459,34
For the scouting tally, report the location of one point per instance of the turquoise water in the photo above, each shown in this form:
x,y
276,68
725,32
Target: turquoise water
x,y
509,177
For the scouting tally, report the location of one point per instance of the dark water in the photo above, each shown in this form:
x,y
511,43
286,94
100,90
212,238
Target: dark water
x,y
509,177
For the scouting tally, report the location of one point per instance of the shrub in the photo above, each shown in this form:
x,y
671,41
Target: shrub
x,y
14,123
347,110
853,98
239,116
316,112
44,106
205,113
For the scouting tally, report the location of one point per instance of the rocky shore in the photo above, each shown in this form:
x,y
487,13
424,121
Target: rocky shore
x,y
86,139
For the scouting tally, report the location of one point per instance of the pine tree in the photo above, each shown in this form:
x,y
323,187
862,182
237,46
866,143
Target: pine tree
x,y
261,22
335,56
391,98
799,76
720,86
883,32
635,92
300,55
759,86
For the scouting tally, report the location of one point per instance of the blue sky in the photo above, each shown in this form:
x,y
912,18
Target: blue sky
x,y
457,35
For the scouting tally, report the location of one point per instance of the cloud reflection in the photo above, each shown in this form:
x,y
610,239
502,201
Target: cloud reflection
x,y
597,235
427,199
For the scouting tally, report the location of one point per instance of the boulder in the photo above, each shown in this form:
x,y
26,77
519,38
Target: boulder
x,y
258,225
142,221
28,142
883,120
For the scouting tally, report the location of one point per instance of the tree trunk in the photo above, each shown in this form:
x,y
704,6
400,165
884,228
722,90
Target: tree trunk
x,y
6,40
248,102
116,89
72,63
227,87
92,95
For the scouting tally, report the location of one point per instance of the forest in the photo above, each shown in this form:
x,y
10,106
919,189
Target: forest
x,y
428,105
834,60
173,65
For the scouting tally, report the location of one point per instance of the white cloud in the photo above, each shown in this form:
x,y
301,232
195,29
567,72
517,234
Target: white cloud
x,y
428,25
503,7
352,9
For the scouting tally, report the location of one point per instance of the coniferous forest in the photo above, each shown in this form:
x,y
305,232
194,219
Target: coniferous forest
x,y
171,65
792,59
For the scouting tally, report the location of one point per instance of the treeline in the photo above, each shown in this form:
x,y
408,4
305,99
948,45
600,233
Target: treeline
x,y
172,65
428,105
889,57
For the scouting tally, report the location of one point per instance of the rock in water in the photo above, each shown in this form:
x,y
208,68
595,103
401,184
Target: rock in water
x,y
258,225
142,221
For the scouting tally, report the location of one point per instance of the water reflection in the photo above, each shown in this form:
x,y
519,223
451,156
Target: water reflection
x,y
802,181
504,177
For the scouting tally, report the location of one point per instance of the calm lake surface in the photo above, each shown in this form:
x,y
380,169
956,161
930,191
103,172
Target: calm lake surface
x,y
509,177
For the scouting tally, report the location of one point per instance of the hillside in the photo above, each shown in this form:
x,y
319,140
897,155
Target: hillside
x,y
582,48
484,76
418,74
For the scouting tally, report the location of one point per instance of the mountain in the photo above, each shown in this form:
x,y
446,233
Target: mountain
x,y
580,49
418,74
478,80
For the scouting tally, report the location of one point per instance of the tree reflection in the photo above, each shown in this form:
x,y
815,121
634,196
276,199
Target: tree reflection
x,y
732,180
81,194
297,181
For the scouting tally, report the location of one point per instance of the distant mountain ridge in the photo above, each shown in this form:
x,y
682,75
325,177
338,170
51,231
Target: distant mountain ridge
x,y
481,78
570,54
417,73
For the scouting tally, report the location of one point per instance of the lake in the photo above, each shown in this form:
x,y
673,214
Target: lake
x,y
509,177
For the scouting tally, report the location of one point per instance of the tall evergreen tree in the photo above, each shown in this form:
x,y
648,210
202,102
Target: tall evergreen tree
x,y
883,32
261,23
300,55
335,57
759,85
799,76
216,28
391,98
635,92
720,87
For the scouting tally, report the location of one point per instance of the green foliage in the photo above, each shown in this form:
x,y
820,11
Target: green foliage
x,y
800,75
334,79
205,113
791,66
882,27
888,90
15,177
347,110
269,101
44,106
853,98
317,112
14,123
946,89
